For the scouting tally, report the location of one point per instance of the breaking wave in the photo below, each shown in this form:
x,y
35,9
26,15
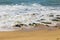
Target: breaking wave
x,y
12,14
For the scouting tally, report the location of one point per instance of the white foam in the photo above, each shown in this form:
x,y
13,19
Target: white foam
x,y
9,14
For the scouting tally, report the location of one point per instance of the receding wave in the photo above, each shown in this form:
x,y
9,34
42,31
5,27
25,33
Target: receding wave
x,y
26,14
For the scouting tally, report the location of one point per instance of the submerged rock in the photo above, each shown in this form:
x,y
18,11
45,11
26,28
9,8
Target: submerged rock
x,y
51,15
17,25
55,20
46,22
57,15
33,24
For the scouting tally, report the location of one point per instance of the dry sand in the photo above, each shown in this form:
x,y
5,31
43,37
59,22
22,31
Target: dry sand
x,y
32,35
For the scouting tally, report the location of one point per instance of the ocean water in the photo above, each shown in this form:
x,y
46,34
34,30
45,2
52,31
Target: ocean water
x,y
42,2
21,11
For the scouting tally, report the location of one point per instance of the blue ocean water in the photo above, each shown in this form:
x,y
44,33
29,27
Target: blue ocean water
x,y
42,2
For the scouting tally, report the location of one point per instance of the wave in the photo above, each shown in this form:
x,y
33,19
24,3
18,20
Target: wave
x,y
12,14
42,2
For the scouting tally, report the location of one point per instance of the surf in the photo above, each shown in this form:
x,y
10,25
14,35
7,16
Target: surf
x,y
10,14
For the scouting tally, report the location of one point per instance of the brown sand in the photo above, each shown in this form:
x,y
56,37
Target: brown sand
x,y
32,35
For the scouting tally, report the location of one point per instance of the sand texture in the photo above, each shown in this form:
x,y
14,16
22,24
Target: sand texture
x,y
32,35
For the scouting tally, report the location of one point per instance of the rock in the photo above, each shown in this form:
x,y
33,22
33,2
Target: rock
x,y
46,22
17,25
55,20
42,19
51,15
57,15
33,24
22,24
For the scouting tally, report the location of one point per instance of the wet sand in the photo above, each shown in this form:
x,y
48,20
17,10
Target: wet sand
x,y
32,35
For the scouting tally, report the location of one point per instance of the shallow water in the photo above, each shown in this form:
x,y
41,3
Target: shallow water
x,y
12,12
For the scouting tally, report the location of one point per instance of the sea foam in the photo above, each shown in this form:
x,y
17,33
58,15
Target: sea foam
x,y
11,14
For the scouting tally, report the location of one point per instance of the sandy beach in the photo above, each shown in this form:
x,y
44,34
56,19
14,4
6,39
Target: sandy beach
x,y
29,19
32,35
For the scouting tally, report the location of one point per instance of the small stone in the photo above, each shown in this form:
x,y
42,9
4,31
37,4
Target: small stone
x,y
17,25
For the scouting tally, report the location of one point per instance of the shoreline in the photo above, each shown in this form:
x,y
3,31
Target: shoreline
x,y
33,27
37,27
